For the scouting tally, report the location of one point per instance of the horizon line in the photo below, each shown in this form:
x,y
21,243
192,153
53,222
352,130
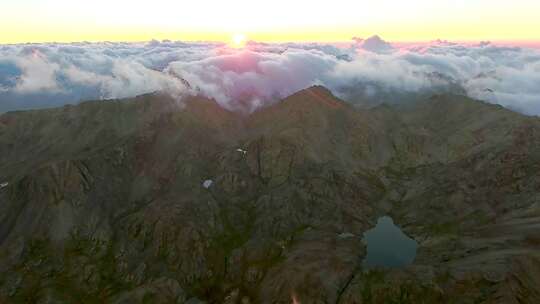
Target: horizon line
x,y
351,40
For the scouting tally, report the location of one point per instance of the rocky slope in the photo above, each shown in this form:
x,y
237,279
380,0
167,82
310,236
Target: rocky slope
x,y
106,202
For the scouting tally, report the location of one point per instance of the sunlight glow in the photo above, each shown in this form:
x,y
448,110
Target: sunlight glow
x,y
238,40
276,21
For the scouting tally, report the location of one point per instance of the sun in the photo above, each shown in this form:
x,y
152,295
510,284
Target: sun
x,y
238,40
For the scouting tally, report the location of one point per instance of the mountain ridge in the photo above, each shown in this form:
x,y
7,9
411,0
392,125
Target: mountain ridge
x,y
106,201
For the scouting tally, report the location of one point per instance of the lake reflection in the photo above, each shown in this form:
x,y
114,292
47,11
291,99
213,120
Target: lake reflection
x,y
388,246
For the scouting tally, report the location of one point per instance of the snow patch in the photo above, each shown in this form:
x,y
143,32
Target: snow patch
x,y
207,183
241,151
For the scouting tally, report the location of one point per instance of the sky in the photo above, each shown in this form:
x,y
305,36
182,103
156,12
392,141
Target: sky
x,y
24,21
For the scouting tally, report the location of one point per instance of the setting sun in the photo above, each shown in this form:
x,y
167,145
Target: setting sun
x,y
238,40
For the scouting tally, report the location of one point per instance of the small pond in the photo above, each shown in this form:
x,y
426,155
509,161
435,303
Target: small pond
x,y
388,246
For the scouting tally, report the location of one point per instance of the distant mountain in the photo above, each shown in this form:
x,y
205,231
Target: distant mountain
x,y
147,200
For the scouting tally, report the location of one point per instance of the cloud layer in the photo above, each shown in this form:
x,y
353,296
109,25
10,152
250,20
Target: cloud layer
x,y
366,71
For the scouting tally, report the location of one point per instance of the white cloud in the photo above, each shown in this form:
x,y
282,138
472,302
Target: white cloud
x,y
38,74
374,44
249,77
370,69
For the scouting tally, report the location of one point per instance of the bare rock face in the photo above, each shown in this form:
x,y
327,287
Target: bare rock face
x,y
108,202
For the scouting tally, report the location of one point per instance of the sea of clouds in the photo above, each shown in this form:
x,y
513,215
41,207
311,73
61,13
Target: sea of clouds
x,y
365,71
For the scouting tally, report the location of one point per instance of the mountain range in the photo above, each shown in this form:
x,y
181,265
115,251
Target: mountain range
x,y
152,200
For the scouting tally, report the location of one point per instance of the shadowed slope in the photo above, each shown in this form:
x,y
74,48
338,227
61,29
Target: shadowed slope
x,y
105,201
